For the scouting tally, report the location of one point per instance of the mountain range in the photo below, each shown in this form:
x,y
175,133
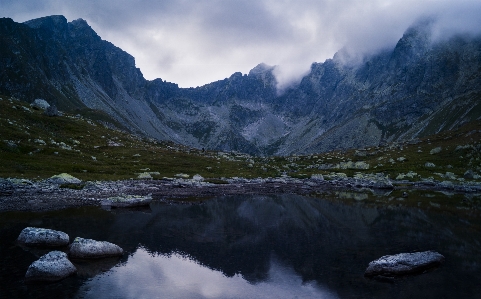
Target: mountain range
x,y
420,87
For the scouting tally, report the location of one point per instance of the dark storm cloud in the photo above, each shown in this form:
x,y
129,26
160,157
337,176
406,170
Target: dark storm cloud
x,y
196,42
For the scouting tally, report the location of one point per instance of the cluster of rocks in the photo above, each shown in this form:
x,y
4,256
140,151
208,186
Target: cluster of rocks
x,y
63,190
56,265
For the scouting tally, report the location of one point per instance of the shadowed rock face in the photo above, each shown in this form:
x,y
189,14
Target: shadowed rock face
x,y
32,236
418,88
50,267
404,264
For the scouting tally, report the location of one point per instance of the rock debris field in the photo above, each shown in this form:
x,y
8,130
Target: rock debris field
x,y
55,193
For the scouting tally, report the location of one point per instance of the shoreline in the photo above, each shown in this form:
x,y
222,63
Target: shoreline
x,y
25,195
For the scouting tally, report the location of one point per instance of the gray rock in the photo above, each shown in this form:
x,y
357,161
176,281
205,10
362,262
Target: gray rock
x,y
317,177
92,249
469,174
52,266
6,187
64,178
33,236
197,178
126,201
435,150
403,264
40,104
51,111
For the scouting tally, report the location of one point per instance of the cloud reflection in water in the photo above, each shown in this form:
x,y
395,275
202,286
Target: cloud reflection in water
x,y
176,276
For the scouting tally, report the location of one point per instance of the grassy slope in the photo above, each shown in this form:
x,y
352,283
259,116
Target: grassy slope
x,y
30,159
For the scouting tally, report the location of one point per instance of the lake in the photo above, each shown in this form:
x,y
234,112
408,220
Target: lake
x,y
282,246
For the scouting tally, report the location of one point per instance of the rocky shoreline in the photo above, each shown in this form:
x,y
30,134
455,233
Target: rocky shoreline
x,y
27,195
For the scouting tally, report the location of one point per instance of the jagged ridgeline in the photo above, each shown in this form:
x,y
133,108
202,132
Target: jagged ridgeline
x,y
420,87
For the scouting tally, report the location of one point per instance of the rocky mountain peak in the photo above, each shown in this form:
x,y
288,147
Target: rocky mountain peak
x,y
47,22
261,69
265,73
415,41
51,26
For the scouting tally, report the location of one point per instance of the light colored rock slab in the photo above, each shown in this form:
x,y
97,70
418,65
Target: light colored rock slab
x,y
91,249
52,266
34,236
404,263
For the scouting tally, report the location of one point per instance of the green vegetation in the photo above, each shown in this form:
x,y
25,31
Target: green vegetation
x,y
33,145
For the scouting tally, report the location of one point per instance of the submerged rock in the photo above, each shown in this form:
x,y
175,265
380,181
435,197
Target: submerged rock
x,y
403,264
52,266
127,201
33,236
91,249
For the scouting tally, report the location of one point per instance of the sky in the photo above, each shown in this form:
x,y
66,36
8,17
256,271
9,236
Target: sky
x,y
195,42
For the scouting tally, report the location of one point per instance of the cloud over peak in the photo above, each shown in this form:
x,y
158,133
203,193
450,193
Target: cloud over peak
x,y
196,42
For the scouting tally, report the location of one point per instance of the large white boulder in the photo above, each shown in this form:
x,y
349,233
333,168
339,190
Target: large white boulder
x,y
91,249
50,267
404,263
34,236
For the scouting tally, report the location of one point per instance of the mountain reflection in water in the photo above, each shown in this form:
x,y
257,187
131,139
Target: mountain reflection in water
x,y
283,246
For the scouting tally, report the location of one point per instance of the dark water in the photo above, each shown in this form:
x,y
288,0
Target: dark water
x,y
283,246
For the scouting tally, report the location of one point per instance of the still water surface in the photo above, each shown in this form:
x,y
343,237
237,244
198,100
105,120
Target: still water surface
x,y
283,246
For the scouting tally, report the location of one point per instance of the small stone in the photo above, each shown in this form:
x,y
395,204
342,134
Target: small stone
x,y
52,266
198,178
182,175
429,164
91,249
469,174
436,150
317,177
144,176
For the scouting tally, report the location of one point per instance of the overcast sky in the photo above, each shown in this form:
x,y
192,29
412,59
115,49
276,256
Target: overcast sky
x,y
194,42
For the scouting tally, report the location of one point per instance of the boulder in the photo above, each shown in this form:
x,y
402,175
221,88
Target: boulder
x,y
404,264
91,249
51,111
198,178
64,178
33,236
144,176
6,187
469,174
52,266
40,104
317,177
436,150
127,201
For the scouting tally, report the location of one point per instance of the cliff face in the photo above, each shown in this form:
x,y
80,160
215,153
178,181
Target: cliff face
x,y
418,88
